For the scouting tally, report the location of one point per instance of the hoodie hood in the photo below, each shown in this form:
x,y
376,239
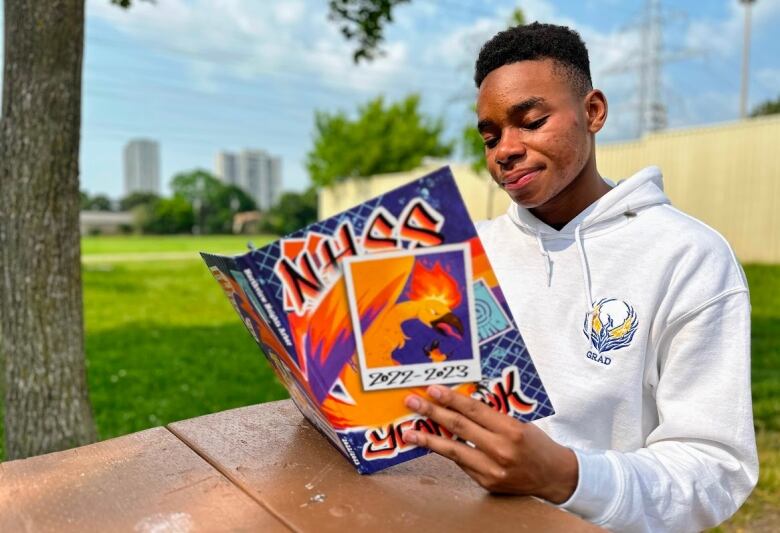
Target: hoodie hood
x,y
625,200
643,189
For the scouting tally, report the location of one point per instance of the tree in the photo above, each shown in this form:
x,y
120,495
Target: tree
x,y
381,139
43,376
41,323
473,147
214,202
363,20
770,107
135,199
100,202
167,215
292,212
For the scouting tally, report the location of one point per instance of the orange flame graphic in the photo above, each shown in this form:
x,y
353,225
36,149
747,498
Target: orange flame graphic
x,y
435,283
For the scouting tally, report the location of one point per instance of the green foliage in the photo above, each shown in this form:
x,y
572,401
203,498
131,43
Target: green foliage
x,y
473,147
127,3
770,107
168,215
292,212
517,18
363,20
99,202
132,200
213,202
381,139
196,184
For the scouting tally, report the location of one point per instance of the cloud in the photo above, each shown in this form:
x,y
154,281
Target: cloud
x,y
770,77
724,37
247,39
428,48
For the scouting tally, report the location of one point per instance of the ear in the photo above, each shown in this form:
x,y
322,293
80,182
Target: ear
x,y
595,110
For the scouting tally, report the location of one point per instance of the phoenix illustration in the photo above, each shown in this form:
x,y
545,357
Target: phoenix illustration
x,y
432,297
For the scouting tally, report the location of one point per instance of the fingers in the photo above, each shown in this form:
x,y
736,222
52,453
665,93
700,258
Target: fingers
x,y
476,463
472,409
455,422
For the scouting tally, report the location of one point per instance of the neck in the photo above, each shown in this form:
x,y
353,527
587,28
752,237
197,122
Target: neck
x,y
585,189
405,310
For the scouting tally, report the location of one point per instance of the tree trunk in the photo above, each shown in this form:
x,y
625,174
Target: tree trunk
x,y
41,321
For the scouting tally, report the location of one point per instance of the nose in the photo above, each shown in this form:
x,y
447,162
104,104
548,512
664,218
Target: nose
x,y
511,148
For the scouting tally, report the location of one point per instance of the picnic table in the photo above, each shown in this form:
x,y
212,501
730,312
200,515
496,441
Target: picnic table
x,y
257,468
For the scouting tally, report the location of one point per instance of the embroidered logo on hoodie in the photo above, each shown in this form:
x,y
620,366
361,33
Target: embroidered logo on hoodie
x,y
610,326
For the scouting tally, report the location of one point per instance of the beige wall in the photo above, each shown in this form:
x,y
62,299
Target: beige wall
x,y
727,175
478,190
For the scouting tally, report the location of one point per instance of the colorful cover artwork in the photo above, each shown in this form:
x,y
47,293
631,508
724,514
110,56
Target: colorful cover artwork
x,y
359,310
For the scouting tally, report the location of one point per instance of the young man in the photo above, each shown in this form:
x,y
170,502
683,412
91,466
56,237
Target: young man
x,y
637,316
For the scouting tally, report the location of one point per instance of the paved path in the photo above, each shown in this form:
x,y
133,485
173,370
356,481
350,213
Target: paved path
x,y
139,256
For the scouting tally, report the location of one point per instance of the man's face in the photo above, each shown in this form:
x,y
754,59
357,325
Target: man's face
x,y
537,132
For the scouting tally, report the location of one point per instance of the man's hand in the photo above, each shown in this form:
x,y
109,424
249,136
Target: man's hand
x,y
508,456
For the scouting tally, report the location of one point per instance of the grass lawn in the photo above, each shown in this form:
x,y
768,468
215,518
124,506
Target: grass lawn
x,y
168,243
163,344
762,510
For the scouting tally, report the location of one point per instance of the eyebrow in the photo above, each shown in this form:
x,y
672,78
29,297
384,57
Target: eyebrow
x,y
517,109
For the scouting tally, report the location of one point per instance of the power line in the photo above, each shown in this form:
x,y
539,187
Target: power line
x,y
651,109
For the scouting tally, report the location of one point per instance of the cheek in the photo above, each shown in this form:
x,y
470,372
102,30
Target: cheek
x,y
492,166
572,149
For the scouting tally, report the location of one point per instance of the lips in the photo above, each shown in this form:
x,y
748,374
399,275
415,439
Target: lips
x,y
518,179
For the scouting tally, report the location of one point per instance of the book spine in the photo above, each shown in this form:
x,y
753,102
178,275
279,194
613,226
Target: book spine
x,y
265,306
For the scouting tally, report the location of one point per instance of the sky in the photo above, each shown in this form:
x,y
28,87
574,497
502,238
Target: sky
x,y
200,76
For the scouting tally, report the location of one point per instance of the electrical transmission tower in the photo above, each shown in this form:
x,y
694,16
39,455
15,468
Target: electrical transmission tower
x,y
651,109
648,63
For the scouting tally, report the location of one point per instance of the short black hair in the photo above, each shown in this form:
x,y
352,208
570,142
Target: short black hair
x,y
537,41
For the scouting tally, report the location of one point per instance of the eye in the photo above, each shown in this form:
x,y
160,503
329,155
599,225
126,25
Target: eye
x,y
491,142
536,124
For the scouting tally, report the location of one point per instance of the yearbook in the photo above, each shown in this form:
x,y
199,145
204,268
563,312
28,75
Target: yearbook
x,y
359,310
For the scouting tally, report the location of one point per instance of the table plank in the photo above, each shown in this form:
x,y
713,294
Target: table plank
x,y
144,482
273,453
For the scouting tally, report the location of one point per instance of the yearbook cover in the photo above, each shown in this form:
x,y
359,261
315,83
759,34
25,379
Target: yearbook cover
x,y
359,310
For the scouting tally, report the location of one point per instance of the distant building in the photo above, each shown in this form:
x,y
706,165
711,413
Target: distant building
x,y
255,171
142,166
227,167
105,222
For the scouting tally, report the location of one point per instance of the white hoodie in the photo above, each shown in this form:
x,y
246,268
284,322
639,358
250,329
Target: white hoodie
x,y
656,403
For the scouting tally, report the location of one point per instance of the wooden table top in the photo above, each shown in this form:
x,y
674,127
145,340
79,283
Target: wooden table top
x,y
258,468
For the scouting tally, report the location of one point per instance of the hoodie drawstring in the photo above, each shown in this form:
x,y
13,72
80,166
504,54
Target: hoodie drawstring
x,y
586,278
546,255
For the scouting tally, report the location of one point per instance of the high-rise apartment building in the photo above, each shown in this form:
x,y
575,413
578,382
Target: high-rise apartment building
x,y
255,171
142,166
227,167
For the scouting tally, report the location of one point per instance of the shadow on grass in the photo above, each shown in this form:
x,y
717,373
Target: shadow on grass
x,y
146,374
766,372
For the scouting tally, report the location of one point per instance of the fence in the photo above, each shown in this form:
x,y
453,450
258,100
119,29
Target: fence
x,y
727,175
